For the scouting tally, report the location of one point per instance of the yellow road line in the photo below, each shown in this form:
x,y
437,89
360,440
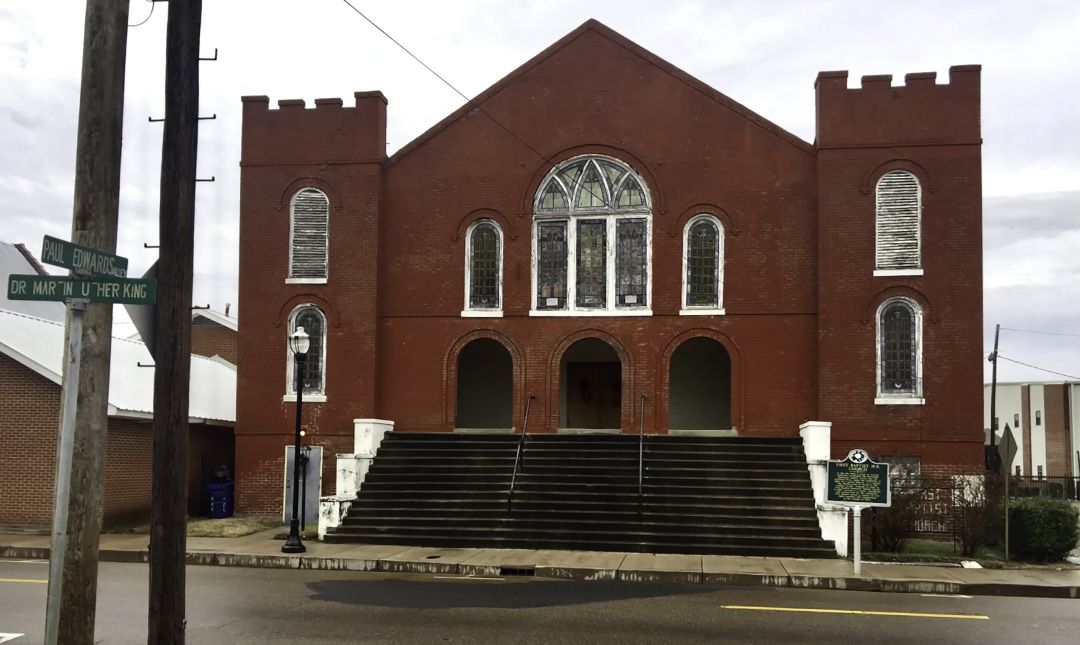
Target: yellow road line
x,y
39,582
858,612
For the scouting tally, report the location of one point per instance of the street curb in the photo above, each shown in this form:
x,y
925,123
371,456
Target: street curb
x,y
325,563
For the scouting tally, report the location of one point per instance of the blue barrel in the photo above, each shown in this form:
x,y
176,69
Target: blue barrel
x,y
219,496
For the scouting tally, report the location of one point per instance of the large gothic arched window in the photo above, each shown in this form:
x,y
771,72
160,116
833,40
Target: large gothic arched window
x,y
592,222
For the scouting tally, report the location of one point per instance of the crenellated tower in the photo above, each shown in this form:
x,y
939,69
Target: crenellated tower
x,y
899,263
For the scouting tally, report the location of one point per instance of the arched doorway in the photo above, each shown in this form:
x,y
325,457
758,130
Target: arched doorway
x,y
590,386
485,386
700,386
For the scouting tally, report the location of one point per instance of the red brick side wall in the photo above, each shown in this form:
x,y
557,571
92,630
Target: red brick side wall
x,y
1055,421
211,340
29,422
932,131
29,412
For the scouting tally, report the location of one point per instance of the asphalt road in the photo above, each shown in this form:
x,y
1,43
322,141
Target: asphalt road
x,y
228,605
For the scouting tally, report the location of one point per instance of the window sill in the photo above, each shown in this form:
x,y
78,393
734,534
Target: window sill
x,y
482,313
568,313
305,280
308,398
899,400
897,272
704,311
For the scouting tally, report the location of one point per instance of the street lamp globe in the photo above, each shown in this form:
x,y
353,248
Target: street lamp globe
x,y
299,341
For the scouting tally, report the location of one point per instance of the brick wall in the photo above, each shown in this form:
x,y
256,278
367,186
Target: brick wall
x,y
29,422
214,340
798,239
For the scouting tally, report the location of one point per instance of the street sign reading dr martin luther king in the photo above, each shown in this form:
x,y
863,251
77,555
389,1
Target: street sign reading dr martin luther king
x,y
125,291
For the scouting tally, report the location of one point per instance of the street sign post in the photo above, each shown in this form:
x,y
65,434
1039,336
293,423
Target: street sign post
x,y
107,290
82,259
1007,449
98,277
858,482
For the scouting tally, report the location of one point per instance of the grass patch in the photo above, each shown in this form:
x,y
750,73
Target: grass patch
x,y
940,552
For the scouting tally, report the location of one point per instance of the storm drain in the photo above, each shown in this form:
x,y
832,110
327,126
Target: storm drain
x,y
517,571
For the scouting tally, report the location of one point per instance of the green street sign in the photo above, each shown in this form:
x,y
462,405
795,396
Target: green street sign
x,y
124,291
82,259
857,480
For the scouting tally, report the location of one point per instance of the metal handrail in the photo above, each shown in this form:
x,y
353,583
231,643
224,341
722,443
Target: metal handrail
x,y
517,456
641,453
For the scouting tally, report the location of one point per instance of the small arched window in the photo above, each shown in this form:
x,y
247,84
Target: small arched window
x,y
308,236
483,268
703,266
312,319
899,323
899,209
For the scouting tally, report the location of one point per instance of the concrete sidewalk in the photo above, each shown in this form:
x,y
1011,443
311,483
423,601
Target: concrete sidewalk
x,y
261,550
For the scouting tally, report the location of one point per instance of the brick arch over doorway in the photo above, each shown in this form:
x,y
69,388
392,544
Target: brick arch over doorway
x,y
737,382
554,380
451,377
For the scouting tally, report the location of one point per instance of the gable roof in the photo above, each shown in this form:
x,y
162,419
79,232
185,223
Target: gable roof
x,y
39,345
214,317
17,259
593,25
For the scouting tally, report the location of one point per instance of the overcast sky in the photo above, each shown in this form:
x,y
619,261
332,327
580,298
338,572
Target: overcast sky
x,y
764,54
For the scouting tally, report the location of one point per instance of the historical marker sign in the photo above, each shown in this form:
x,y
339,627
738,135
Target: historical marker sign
x,y
857,480
60,288
82,259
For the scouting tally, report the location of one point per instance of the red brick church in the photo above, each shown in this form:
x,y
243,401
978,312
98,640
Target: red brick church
x,y
611,244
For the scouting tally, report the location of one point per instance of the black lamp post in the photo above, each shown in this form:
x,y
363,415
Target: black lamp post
x,y
299,342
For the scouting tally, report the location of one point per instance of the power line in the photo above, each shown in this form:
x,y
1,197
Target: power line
x,y
1048,333
468,101
1036,367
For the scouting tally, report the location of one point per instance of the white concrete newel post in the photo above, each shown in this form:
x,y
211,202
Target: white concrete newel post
x,y
817,444
352,469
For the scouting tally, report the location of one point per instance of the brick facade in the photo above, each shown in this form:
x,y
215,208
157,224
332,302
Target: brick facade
x,y
798,284
214,340
29,422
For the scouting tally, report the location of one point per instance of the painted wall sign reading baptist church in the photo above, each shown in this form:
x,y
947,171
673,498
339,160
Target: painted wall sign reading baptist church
x,y
857,480
82,259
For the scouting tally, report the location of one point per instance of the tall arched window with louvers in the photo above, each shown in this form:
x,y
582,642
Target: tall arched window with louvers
x,y
898,222
309,236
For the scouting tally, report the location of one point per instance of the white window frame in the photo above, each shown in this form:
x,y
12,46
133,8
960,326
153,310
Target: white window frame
x,y
911,271
706,310
290,360
482,312
907,398
289,279
611,218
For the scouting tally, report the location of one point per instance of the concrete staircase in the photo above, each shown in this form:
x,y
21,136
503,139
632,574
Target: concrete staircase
x,y
736,496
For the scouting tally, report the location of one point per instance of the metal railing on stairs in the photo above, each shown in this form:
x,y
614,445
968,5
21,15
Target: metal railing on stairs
x,y
517,456
641,455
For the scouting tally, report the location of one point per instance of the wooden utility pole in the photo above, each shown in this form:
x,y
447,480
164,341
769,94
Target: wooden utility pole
x,y
172,343
71,606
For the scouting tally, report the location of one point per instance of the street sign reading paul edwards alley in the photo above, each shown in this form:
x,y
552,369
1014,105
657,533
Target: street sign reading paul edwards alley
x,y
106,281
857,480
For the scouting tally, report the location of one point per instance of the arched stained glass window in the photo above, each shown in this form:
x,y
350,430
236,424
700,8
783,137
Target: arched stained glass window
x,y
899,332
592,238
703,264
484,257
309,235
313,321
